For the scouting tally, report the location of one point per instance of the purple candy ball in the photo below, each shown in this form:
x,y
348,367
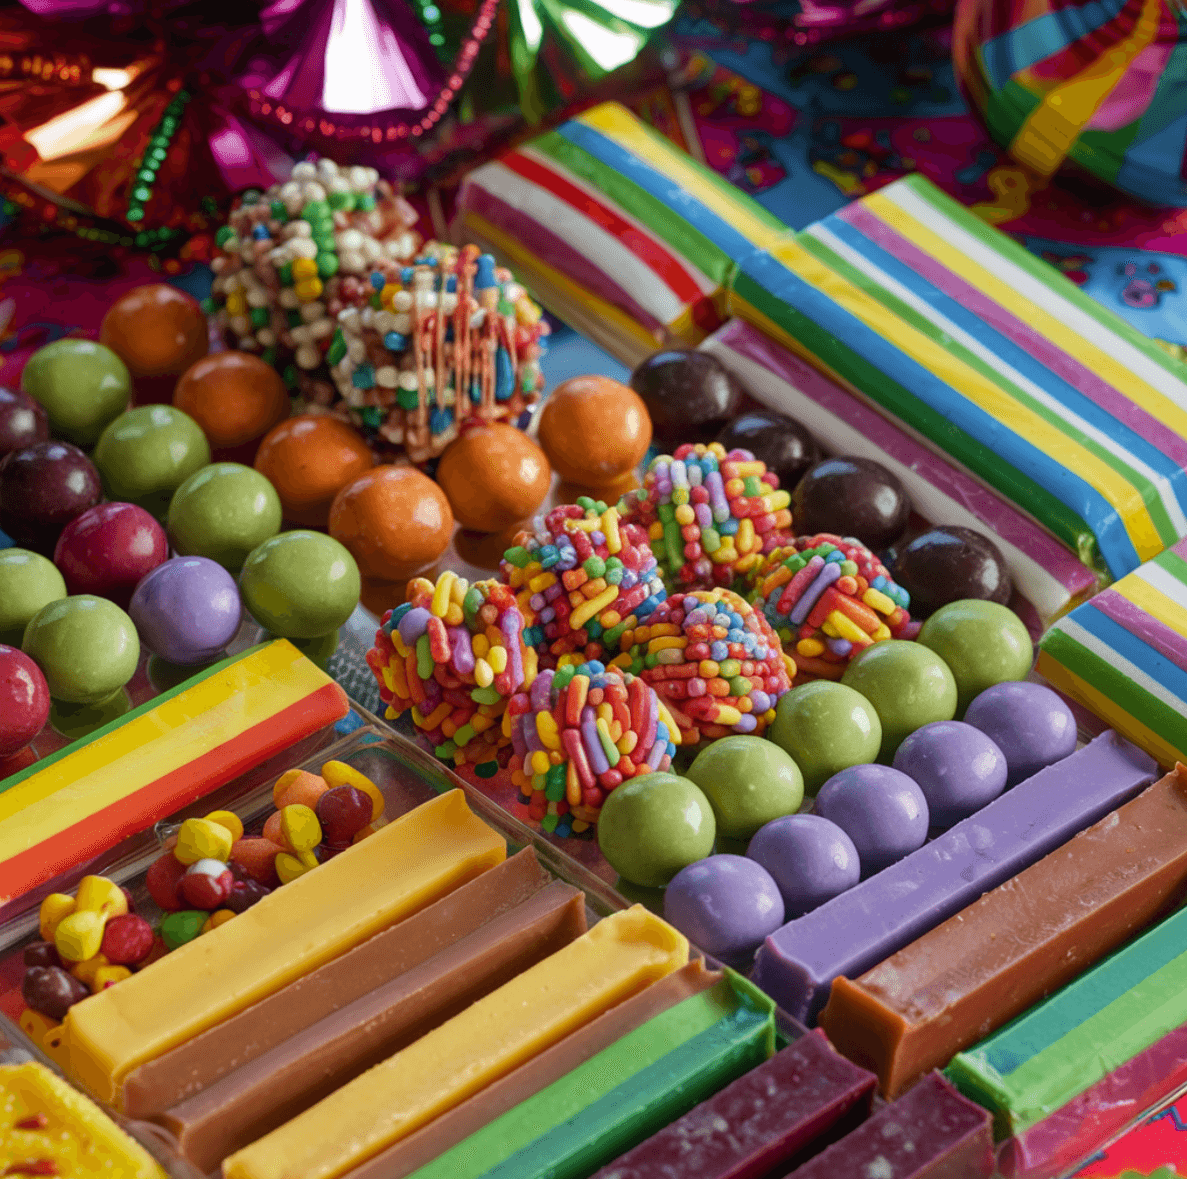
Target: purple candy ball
x,y
1030,723
186,610
958,768
811,859
727,905
882,810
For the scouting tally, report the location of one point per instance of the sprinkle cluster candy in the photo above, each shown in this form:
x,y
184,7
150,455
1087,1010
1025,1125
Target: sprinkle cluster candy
x,y
832,597
713,659
583,578
578,733
710,515
453,654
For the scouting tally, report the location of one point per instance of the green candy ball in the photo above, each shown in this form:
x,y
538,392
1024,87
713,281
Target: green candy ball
x,y
146,454
300,585
223,512
909,686
748,781
984,643
826,727
86,646
28,581
82,385
653,825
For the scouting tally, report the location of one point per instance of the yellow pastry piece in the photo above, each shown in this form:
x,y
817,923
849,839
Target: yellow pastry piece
x,y
616,959
407,865
44,1121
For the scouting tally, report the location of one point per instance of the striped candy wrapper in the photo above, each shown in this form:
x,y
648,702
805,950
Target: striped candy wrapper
x,y
616,230
993,359
1045,572
1123,655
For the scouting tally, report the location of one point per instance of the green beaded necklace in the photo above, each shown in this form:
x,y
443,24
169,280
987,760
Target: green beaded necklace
x,y
154,156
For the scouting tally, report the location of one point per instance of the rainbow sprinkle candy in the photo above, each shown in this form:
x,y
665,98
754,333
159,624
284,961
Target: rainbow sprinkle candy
x,y
453,654
583,578
710,514
713,659
832,597
578,733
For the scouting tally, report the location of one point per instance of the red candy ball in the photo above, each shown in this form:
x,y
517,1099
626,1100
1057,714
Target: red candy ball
x,y
207,884
127,940
162,880
244,894
108,549
24,700
343,812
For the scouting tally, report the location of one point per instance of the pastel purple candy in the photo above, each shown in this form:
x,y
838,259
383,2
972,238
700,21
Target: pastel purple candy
x,y
727,905
958,768
882,810
1030,723
810,858
186,610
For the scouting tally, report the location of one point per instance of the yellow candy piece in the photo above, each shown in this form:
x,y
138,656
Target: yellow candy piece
x,y
54,1046
108,976
304,268
79,936
338,773
86,971
302,830
308,289
200,839
236,303
497,658
103,896
217,918
288,867
35,1025
547,731
230,820
55,906
484,674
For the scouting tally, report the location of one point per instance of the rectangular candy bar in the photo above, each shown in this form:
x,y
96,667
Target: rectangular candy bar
x,y
1015,945
1025,1072
1049,575
931,1132
993,358
619,957
759,1124
459,1123
308,1066
626,1092
405,866
157,759
861,927
1123,655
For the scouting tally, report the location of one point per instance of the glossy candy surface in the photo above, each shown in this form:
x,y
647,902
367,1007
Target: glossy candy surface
x,y
43,488
23,421
234,396
108,549
882,810
809,857
775,439
948,563
223,511
688,394
187,610
157,330
594,430
851,497
958,768
28,581
749,781
82,385
494,476
1030,723
86,646
24,700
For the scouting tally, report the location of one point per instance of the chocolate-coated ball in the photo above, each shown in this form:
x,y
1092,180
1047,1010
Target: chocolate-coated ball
x,y
594,430
24,700
851,496
43,488
108,549
689,395
83,386
52,991
23,422
950,563
775,439
494,476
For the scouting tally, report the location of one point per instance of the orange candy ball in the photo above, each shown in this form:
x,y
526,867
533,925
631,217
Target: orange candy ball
x,y
394,520
235,397
309,459
158,331
495,476
594,430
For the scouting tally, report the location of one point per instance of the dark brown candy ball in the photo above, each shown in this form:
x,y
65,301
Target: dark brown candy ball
x,y
43,488
23,421
689,395
851,497
949,564
775,439
52,991
41,954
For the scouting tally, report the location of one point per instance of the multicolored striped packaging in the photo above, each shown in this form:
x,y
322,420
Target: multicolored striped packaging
x,y
1123,655
991,357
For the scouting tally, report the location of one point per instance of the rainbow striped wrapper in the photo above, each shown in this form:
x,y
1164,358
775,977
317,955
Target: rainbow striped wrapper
x,y
1123,655
616,230
992,358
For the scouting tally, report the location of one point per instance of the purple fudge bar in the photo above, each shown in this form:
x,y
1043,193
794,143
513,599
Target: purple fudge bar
x,y
858,929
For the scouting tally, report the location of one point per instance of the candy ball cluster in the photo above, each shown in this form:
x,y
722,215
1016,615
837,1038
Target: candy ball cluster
x,y
711,514
453,654
577,734
583,578
713,659
828,598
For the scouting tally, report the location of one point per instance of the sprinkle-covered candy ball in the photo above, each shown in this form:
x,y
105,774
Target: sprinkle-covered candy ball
x,y
711,514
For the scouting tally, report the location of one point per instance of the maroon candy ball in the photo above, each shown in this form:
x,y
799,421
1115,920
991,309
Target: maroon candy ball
x,y
690,395
52,991
851,496
23,422
43,488
948,564
108,549
244,894
343,812
24,700
127,940
41,954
